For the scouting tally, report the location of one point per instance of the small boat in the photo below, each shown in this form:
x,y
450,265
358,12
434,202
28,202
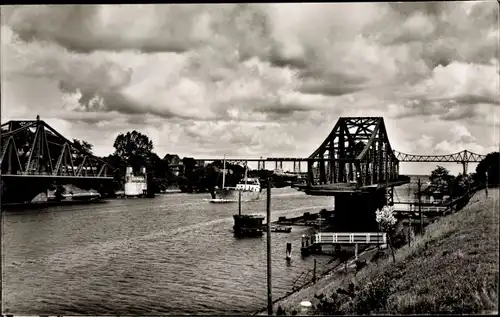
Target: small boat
x,y
248,189
281,229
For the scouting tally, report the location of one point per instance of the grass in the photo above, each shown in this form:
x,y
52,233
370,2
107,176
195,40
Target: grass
x,y
452,268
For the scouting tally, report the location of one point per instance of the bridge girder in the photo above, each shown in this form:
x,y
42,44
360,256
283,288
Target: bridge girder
x,y
459,157
35,148
357,150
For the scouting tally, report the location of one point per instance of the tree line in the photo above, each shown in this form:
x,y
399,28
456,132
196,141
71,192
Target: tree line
x,y
487,173
135,149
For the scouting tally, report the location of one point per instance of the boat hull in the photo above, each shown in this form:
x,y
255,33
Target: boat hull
x,y
221,201
233,195
248,225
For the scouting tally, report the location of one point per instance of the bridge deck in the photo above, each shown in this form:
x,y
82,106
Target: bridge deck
x,y
333,189
109,178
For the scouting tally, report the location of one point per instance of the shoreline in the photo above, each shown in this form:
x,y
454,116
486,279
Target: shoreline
x,y
333,275
445,238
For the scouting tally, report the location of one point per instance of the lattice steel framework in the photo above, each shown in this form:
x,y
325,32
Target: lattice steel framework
x,y
459,157
355,145
464,157
35,148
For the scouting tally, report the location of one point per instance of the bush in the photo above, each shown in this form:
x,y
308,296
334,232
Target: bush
x,y
373,297
399,235
328,306
280,311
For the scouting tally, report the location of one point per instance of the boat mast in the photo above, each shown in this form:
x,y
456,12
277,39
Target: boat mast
x,y
246,175
224,173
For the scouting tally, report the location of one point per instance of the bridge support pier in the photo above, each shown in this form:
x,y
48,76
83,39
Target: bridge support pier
x,y
464,167
261,165
355,212
296,166
278,165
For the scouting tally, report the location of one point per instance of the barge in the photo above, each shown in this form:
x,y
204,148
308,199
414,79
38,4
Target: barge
x,y
248,225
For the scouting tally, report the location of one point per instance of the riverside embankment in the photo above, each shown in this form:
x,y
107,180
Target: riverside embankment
x,y
452,268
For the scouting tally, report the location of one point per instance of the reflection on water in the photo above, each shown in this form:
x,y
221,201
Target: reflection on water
x,y
172,254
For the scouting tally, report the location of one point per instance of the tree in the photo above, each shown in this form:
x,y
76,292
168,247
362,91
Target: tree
x,y
387,222
83,146
118,172
460,185
440,179
134,148
489,165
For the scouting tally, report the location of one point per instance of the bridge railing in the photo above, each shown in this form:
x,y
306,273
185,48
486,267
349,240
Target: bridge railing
x,y
424,209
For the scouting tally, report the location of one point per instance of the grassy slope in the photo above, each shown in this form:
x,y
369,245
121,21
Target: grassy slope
x,y
453,268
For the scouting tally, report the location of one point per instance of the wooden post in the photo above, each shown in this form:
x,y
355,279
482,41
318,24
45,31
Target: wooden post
x,y
269,281
392,247
314,271
451,197
239,202
420,207
356,251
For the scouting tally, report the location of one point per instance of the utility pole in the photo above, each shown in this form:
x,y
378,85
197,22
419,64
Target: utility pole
x,y
420,207
269,281
486,184
314,272
410,214
239,203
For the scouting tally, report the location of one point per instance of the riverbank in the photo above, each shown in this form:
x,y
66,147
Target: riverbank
x,y
452,268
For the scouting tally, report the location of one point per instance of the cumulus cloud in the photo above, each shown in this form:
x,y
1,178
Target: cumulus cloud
x,y
227,76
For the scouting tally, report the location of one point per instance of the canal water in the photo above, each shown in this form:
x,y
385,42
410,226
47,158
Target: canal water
x,y
175,254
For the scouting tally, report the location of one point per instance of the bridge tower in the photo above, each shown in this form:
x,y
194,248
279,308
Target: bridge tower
x,y
357,166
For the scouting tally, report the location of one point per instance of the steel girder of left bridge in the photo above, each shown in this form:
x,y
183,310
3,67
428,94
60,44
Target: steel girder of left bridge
x,y
356,151
34,152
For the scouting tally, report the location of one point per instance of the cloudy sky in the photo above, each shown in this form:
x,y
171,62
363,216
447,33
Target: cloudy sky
x,y
256,80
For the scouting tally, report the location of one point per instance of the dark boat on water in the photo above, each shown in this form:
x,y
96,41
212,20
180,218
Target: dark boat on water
x,y
248,225
281,229
56,199
50,203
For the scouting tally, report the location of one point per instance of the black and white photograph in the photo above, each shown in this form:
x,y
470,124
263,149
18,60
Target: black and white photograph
x,y
301,159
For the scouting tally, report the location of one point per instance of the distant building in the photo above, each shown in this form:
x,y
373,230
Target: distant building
x,y
174,163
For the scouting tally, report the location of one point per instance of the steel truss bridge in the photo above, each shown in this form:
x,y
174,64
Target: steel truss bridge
x,y
36,157
356,133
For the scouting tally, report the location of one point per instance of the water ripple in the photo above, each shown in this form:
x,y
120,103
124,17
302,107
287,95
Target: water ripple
x,y
171,255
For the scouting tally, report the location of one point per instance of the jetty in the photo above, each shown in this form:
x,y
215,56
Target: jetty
x,y
307,219
315,243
